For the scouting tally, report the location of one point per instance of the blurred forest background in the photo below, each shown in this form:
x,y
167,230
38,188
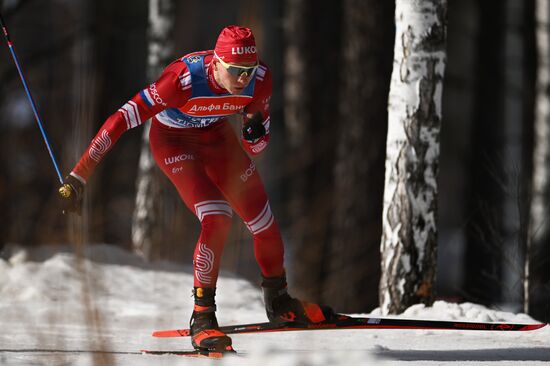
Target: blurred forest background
x,y
324,168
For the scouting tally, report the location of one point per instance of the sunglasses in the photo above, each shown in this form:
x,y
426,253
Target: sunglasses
x,y
236,70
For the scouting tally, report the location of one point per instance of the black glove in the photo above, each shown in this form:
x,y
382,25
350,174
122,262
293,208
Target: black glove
x,y
71,193
253,129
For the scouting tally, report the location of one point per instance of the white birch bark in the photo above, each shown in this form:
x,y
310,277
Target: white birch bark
x,y
408,247
539,223
147,211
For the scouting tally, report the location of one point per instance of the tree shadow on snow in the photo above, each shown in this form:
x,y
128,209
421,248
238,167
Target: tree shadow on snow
x,y
492,354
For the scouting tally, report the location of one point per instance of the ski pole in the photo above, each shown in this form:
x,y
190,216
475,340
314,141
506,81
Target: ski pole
x,y
29,96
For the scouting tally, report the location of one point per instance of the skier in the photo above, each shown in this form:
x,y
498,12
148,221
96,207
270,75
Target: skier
x,y
196,148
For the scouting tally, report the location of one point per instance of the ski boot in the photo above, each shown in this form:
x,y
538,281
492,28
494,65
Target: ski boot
x,y
205,332
282,308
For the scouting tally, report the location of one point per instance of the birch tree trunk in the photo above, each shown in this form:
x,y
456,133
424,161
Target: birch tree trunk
x,y
146,219
409,238
539,224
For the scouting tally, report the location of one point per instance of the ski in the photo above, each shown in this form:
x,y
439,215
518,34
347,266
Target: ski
x,y
191,353
347,322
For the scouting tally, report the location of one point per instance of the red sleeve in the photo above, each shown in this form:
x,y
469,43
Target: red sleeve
x,y
260,103
165,93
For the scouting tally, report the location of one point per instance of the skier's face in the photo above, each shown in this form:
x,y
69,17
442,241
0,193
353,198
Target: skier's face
x,y
233,77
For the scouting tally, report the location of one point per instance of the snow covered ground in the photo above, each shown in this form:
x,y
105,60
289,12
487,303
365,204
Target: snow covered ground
x,y
56,309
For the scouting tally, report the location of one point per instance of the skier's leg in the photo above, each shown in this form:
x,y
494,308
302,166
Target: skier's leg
x,y
185,170
182,164
236,175
238,178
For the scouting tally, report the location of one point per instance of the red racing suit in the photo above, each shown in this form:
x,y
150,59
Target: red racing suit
x,y
197,149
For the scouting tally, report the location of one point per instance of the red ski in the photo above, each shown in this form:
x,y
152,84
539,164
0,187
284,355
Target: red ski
x,y
347,322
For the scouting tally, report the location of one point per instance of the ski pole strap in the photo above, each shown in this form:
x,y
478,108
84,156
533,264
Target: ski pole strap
x,y
5,30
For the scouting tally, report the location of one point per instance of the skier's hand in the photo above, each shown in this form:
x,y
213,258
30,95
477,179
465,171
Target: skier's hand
x,y
71,193
253,129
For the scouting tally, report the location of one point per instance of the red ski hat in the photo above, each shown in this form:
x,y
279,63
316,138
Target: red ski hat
x,y
236,45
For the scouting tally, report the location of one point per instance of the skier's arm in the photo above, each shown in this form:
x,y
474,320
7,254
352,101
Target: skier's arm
x,y
256,122
162,94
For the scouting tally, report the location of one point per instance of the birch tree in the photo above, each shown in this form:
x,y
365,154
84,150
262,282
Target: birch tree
x,y
409,238
145,223
539,224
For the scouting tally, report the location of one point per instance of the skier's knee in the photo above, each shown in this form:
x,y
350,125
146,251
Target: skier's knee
x,y
217,223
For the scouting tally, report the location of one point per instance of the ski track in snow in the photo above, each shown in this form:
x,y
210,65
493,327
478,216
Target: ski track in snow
x,y
56,309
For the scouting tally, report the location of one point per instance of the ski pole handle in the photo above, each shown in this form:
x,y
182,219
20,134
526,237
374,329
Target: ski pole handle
x,y
65,190
29,96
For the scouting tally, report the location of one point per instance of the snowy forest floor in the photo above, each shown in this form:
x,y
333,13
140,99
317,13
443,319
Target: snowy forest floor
x,y
57,309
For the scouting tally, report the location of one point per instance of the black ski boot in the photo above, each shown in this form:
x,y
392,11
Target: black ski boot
x,y
282,308
205,332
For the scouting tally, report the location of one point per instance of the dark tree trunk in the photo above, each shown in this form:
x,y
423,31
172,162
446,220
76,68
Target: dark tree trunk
x,y
353,254
484,227
310,89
